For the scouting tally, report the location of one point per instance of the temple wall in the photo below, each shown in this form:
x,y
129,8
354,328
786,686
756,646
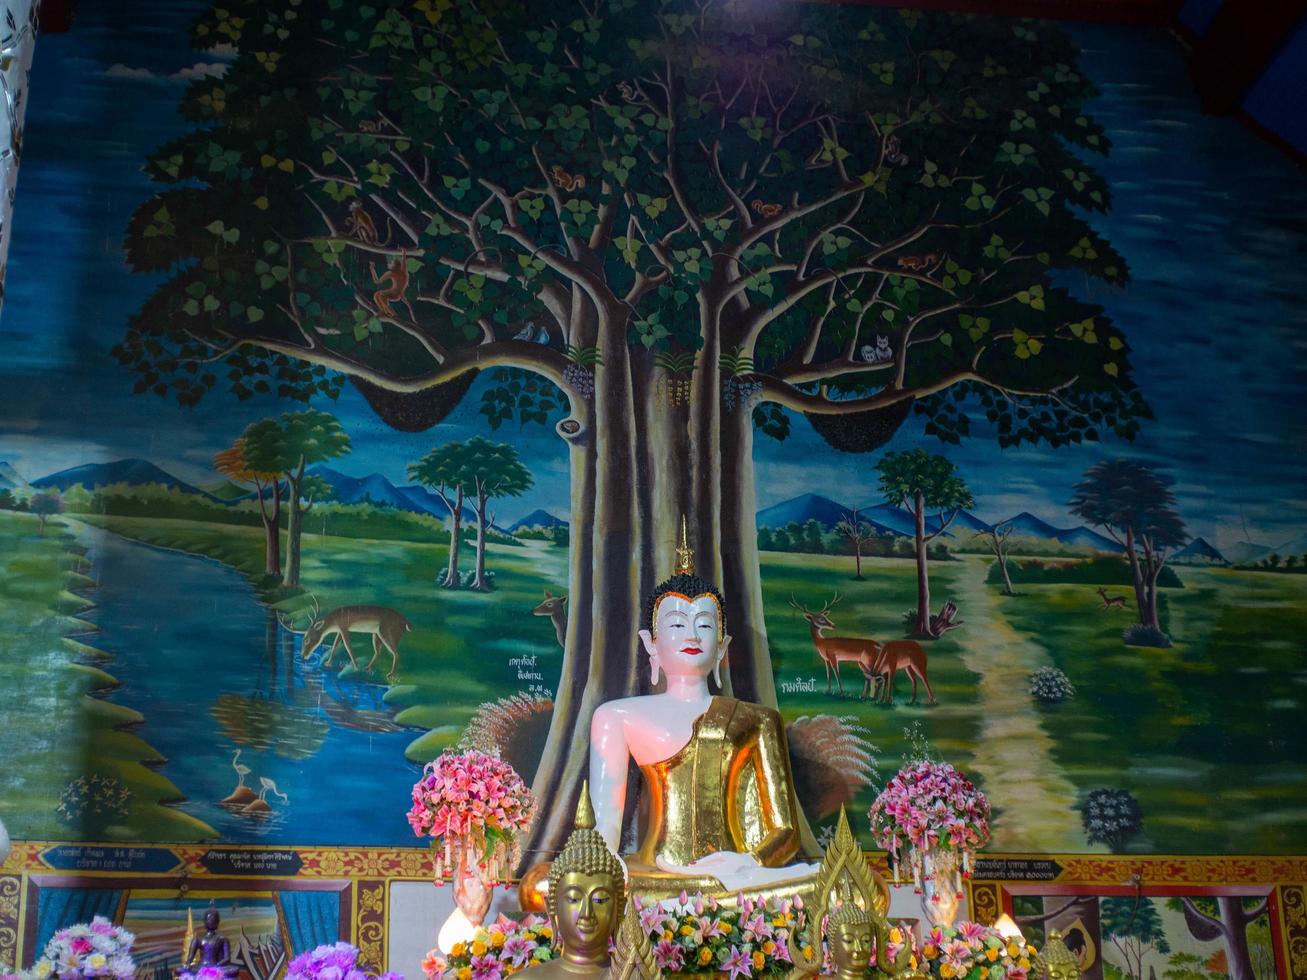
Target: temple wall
x,y
165,738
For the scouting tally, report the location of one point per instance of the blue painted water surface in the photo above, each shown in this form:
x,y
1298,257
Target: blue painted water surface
x,y
212,672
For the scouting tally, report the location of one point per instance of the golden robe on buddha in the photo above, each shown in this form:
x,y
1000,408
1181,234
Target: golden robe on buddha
x,y
729,789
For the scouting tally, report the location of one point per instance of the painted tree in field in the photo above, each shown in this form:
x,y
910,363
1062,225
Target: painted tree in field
x,y
235,466
996,539
658,226
46,506
1227,918
857,533
921,482
289,445
447,470
496,472
1135,928
1133,503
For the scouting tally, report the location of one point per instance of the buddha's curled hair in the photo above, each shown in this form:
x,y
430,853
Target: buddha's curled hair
x,y
690,586
850,913
587,853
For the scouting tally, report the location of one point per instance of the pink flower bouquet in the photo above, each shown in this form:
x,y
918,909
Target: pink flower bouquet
x,y
930,806
470,799
495,952
338,961
970,951
100,949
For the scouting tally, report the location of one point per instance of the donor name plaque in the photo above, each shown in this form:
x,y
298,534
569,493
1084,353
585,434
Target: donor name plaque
x,y
1016,869
237,861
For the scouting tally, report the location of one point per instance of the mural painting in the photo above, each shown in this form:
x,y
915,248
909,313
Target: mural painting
x,y
363,360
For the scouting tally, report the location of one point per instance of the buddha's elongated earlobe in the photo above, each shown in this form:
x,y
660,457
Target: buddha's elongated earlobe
x,y
717,674
653,670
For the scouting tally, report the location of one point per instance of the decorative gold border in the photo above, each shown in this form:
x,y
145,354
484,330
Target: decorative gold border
x,y
369,872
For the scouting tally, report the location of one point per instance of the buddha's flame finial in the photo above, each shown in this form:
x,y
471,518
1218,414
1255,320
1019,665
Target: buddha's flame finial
x,y
684,556
585,811
190,933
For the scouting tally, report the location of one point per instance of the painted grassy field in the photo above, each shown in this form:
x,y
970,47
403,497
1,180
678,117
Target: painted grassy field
x,y
1200,731
62,745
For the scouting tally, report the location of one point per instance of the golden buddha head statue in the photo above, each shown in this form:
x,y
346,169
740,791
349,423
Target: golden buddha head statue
x,y
586,890
687,622
1055,961
849,932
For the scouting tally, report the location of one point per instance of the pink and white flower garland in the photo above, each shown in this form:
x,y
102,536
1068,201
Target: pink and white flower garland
x,y
928,808
100,949
471,800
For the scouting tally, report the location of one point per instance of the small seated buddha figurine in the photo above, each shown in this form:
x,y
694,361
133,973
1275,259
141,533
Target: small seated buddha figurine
x,y
721,815
1055,961
586,889
212,949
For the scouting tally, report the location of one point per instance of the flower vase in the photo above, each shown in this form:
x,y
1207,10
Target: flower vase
x,y
939,874
473,891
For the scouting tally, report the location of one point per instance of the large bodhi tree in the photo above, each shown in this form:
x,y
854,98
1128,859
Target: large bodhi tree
x,y
671,223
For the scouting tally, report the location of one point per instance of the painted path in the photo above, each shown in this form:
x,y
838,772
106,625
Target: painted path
x,y
1014,751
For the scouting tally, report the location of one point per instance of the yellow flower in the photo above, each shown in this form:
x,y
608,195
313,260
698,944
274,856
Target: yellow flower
x,y
686,930
930,951
759,961
946,970
807,952
478,948
667,935
769,947
460,949
1030,951
778,921
547,932
1023,963
497,939
464,973
1013,949
895,936
96,961
705,956
992,953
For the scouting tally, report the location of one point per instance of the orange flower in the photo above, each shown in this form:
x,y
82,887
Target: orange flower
x,y
992,953
464,973
930,951
759,961
769,947
895,936
705,956
478,948
946,970
497,939
460,949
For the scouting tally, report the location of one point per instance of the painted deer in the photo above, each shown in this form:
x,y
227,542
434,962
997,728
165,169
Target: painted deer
x,y
386,626
834,650
554,607
1111,601
896,655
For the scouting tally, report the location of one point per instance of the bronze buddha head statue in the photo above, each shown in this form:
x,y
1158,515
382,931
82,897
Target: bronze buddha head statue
x,y
586,890
849,932
1055,961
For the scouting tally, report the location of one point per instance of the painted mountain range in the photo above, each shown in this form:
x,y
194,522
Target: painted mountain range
x,y
886,518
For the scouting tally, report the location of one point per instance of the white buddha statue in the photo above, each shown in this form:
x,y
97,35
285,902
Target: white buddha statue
x,y
722,817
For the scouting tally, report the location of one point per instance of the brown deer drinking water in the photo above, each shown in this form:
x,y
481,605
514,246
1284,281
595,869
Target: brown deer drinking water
x,y
554,608
386,626
1111,601
834,650
896,655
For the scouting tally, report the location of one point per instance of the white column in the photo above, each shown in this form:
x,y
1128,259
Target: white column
x,y
17,41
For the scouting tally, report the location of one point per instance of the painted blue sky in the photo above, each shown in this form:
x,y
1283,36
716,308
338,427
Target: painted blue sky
x,y
1212,222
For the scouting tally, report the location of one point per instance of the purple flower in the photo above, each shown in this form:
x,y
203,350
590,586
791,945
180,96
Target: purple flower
x,y
485,968
669,956
737,964
516,950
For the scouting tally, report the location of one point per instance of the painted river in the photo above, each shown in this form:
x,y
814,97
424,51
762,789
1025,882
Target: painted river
x,y
214,674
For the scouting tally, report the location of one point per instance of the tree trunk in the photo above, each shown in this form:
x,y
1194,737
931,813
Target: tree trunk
x,y
455,539
1151,617
857,558
1007,579
923,574
638,462
1136,576
271,529
479,583
294,525
1234,929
